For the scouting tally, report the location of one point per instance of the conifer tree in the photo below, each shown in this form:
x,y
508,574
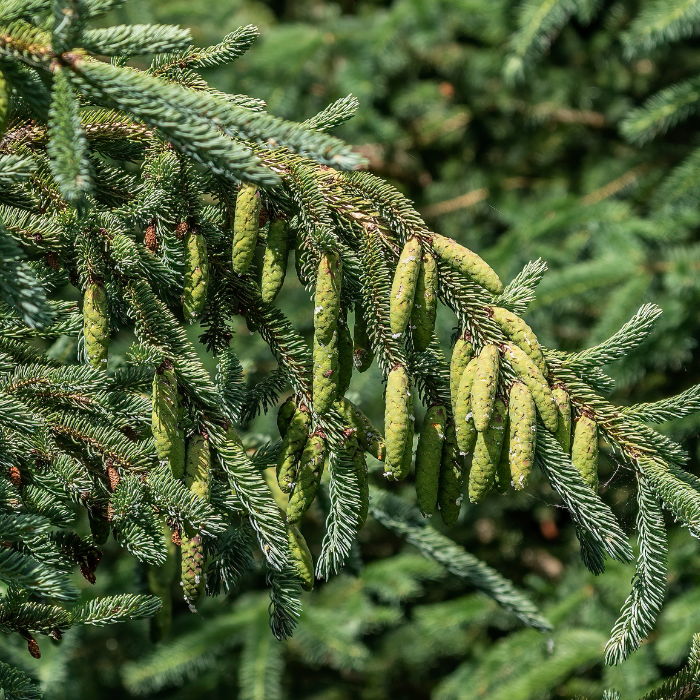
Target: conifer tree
x,y
152,194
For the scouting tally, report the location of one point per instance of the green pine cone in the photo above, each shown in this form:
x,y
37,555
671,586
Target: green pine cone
x,y
368,436
425,303
533,378
198,466
4,104
345,357
428,458
451,486
325,378
363,354
563,402
521,334
464,421
398,423
468,263
165,419
291,449
327,298
197,472
246,222
487,453
522,434
196,275
300,557
461,354
584,449
407,461
284,415
308,477
484,386
403,288
192,569
275,261
96,325
503,477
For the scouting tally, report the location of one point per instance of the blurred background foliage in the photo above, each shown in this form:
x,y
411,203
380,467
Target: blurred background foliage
x,y
521,141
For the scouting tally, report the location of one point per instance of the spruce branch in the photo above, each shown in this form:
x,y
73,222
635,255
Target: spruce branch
x,y
67,148
406,521
661,23
586,508
649,584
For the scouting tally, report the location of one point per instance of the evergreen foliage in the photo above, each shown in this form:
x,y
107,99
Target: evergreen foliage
x,y
110,171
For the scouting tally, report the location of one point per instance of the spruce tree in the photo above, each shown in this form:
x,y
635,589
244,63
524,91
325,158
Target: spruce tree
x,y
153,195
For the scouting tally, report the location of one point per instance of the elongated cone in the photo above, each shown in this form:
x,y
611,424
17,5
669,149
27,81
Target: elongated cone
x,y
530,374
165,419
521,334
464,422
300,557
325,378
425,303
487,453
194,293
327,298
308,477
451,486
429,457
345,357
522,434
284,415
563,434
198,466
403,289
290,451
398,423
461,355
96,325
192,556
503,477
484,386
584,449
363,353
369,438
246,222
465,261
192,561
274,266
4,104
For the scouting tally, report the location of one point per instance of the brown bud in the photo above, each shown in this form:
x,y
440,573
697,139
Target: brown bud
x,y
15,476
113,476
33,647
151,239
32,644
